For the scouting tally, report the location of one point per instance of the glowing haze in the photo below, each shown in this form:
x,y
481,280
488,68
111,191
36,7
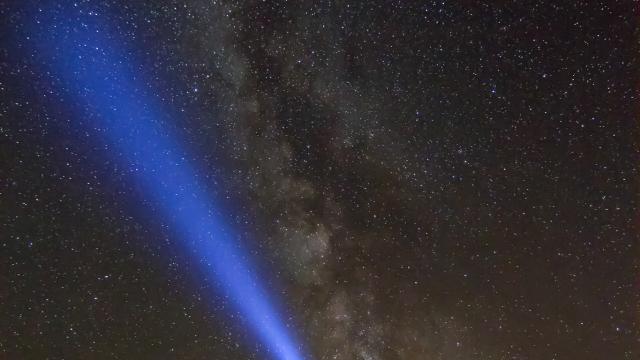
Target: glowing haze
x,y
93,68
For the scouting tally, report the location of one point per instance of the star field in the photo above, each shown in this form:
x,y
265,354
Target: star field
x,y
419,180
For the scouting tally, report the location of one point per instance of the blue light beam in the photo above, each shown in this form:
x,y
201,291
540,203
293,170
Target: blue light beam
x,y
93,67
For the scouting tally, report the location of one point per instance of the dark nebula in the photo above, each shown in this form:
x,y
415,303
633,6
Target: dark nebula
x,y
421,180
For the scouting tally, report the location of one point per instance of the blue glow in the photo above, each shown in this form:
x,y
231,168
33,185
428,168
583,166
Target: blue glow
x,y
95,69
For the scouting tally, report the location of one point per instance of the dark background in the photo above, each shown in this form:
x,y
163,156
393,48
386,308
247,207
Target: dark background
x,y
436,180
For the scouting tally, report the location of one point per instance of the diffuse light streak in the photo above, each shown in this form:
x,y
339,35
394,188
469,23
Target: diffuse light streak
x,y
93,68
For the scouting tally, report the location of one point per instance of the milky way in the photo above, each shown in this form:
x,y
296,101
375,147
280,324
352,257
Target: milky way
x,y
435,180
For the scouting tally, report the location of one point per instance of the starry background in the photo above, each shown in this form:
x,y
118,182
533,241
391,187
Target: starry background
x,y
435,180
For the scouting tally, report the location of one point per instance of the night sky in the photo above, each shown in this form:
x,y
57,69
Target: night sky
x,y
415,181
